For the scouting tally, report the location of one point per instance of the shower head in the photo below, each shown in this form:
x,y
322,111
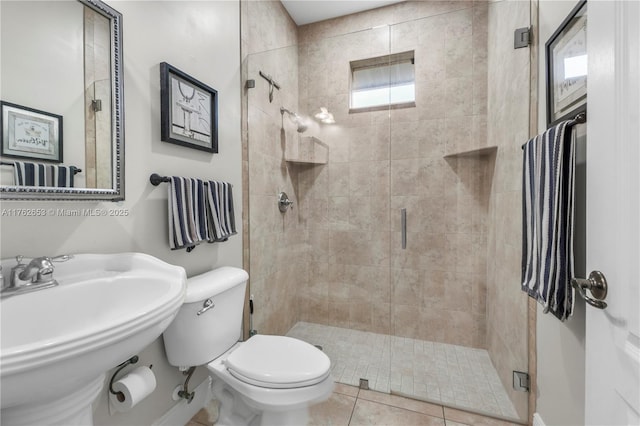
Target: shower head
x,y
296,119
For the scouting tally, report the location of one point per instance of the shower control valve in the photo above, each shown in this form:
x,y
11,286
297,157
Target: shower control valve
x,y
284,202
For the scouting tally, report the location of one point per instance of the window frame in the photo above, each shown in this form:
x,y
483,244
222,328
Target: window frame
x,y
380,61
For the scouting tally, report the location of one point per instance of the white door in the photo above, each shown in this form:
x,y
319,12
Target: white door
x,y
613,216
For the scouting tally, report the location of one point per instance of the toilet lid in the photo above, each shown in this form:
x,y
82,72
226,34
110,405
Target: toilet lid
x,y
278,362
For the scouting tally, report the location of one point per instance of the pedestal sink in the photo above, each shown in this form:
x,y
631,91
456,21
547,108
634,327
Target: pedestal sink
x,y
58,343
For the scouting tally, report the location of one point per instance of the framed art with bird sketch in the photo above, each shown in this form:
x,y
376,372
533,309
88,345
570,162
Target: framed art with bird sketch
x,y
188,110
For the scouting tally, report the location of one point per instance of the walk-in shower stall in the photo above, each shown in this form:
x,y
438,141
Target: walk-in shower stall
x,y
396,134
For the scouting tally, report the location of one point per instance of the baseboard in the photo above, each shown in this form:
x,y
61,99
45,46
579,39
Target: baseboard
x,y
537,420
182,412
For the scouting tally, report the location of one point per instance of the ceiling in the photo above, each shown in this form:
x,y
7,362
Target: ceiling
x,y
308,11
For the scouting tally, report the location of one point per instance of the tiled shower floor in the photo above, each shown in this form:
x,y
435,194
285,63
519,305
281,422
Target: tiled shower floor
x,y
437,372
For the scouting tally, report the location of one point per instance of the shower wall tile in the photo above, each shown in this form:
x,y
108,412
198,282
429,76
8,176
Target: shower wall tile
x,y
458,292
433,176
431,139
405,176
459,57
266,26
480,79
406,140
407,285
433,286
459,24
339,311
431,61
459,134
431,98
359,248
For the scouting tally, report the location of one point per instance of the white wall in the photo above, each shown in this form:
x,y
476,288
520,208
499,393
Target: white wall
x,y
42,58
203,40
561,345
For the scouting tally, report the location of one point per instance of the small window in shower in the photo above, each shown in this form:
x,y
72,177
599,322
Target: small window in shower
x,y
378,83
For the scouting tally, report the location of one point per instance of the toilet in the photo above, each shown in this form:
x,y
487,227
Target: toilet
x,y
265,380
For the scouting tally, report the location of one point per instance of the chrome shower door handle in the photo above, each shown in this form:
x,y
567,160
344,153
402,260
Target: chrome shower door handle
x,y
597,286
403,227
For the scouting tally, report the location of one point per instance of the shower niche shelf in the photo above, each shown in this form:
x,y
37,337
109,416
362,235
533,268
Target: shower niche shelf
x,y
475,152
307,150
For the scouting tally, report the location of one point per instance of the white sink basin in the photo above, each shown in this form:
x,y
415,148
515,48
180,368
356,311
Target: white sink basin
x,y
58,340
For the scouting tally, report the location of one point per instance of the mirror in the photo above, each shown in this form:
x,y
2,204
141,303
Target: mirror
x,y
62,118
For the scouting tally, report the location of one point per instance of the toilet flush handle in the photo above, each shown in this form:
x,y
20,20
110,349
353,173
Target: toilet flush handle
x,y
208,304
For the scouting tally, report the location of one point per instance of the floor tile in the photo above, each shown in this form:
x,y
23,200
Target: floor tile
x,y
336,411
442,373
346,389
465,417
373,413
405,403
364,407
206,416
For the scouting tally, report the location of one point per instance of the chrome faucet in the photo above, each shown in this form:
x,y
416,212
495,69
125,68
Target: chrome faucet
x,y
38,271
36,275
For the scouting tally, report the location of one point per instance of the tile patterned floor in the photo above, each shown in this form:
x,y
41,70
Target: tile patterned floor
x,y
436,372
350,406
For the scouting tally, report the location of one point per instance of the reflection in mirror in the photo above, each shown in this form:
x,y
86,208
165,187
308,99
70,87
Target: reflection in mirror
x,y
97,99
66,66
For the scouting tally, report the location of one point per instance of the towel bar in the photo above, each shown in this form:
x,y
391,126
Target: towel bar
x,y
4,163
579,119
156,179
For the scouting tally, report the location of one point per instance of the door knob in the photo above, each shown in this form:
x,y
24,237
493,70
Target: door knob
x,y
597,286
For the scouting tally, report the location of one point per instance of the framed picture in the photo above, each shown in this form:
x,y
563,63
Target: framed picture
x,y
189,110
30,133
566,53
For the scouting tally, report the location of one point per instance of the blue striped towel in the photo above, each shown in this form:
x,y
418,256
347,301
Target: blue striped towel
x,y
222,222
38,174
547,195
187,213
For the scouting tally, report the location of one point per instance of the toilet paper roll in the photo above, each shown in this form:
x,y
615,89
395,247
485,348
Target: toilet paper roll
x,y
135,387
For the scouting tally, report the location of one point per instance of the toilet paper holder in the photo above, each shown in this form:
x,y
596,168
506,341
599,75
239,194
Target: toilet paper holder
x,y
120,395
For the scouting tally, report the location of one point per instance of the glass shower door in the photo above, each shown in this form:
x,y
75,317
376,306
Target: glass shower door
x,y
454,170
347,205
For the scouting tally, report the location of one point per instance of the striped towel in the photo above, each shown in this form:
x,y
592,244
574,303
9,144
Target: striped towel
x,y
222,222
187,213
38,174
547,252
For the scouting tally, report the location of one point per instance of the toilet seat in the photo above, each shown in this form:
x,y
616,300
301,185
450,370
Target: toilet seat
x,y
278,362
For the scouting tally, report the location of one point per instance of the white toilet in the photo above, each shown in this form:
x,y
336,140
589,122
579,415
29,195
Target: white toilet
x,y
266,380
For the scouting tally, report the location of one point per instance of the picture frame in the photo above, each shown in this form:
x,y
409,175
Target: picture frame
x,y
30,133
189,110
566,57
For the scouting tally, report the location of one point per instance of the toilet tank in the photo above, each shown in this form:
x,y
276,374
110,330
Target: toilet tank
x,y
193,339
